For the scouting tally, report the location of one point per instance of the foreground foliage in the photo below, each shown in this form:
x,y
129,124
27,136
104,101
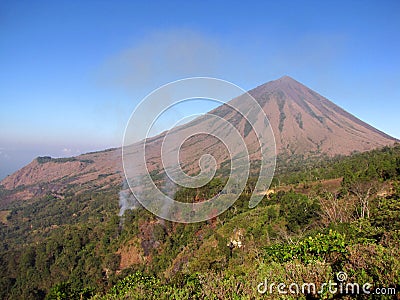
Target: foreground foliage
x,y
76,247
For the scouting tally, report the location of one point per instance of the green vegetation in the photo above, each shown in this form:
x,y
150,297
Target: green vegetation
x,y
324,216
282,116
299,120
46,159
247,128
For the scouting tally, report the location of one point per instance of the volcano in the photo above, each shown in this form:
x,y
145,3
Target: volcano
x,y
303,122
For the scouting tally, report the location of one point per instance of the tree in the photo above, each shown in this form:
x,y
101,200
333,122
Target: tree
x,y
334,209
363,187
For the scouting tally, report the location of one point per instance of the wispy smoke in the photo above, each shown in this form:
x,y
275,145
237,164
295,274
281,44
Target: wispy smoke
x,y
169,188
126,199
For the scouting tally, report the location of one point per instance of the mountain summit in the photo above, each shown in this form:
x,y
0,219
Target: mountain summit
x,y
304,123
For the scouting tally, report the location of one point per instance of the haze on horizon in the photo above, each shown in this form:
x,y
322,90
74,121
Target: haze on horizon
x,y
74,72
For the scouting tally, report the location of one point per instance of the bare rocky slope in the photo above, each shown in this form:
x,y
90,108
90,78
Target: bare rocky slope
x,y
304,123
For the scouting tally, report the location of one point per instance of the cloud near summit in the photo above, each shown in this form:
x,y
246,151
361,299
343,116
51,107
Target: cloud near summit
x,y
162,57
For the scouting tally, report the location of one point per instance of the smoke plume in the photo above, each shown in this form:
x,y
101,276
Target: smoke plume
x,y
126,199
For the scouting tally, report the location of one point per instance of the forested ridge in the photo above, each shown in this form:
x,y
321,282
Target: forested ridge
x,y
320,217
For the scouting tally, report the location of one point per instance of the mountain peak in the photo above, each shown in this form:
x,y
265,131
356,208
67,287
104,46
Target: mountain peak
x,y
286,78
285,84
304,121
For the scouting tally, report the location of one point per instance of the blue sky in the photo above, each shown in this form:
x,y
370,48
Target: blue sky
x,y
71,72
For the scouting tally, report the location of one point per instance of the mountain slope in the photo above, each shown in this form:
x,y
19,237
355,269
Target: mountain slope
x,y
46,175
304,123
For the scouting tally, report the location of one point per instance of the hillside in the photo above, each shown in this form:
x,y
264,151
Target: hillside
x,y
311,225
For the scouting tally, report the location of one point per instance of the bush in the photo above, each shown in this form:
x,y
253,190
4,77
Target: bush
x,y
312,248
